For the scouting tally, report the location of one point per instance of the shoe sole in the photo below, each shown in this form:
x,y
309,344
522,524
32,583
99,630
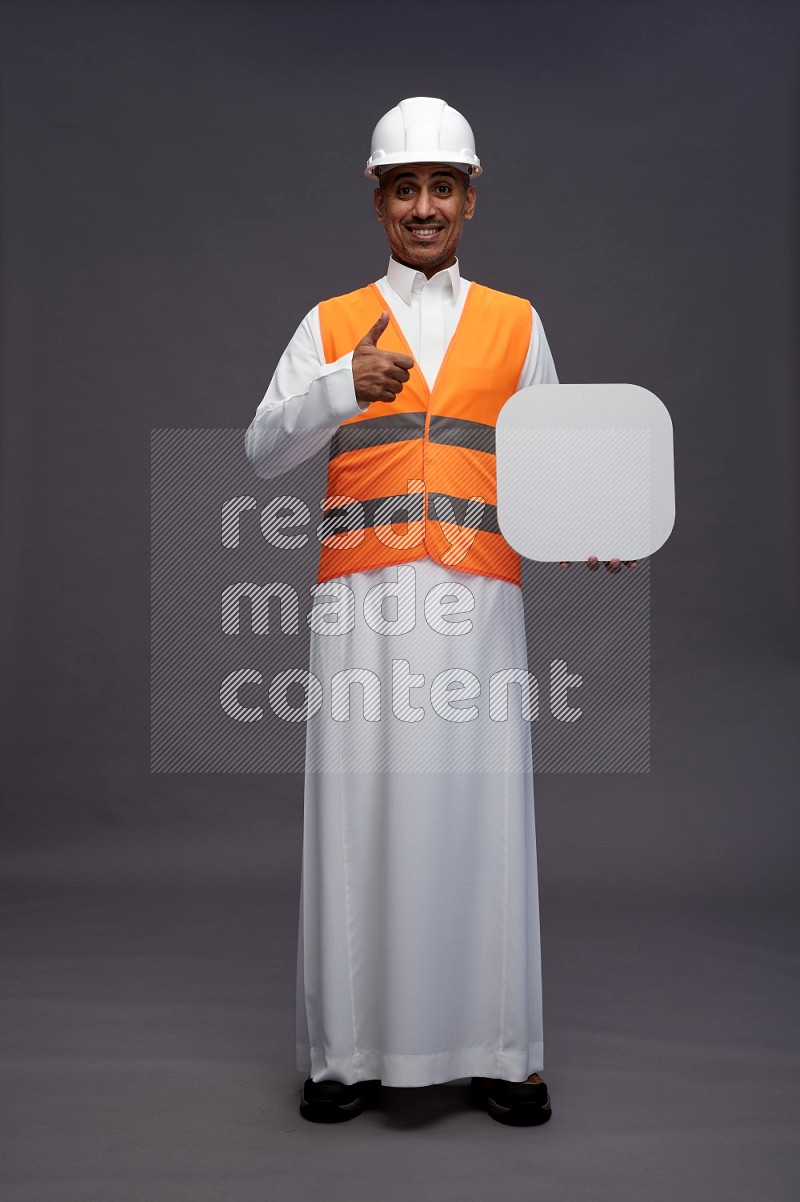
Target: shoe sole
x,y
524,1114
327,1110
330,1112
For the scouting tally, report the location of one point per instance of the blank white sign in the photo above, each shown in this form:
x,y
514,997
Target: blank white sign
x,y
585,469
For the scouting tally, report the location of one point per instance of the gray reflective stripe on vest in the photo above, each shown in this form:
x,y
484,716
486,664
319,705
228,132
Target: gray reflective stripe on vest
x,y
397,427
362,515
404,508
488,523
400,427
458,432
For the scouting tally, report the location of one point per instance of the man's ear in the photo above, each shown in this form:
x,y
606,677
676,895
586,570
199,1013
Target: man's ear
x,y
470,201
378,198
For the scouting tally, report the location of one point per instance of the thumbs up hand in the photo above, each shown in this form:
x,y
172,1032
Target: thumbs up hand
x,y
378,375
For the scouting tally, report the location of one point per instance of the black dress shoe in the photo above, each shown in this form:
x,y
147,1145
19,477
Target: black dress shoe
x,y
334,1102
516,1103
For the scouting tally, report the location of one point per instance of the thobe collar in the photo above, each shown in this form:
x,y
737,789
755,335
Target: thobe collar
x,y
407,282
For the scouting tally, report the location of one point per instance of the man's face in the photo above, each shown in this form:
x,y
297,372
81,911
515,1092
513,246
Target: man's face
x,y
423,207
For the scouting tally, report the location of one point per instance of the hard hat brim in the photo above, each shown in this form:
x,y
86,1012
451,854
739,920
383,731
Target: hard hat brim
x,y
469,166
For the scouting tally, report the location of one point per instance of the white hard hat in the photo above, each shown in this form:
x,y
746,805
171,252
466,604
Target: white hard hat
x,y
423,130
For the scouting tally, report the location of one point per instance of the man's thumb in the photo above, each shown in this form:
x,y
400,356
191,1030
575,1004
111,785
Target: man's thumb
x,y
372,335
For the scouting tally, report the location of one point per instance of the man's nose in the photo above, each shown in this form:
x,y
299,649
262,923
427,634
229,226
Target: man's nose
x,y
424,206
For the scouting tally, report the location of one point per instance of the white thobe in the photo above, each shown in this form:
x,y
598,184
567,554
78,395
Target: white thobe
x,y
418,955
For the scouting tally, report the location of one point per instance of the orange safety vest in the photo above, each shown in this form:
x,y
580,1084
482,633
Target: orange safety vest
x,y
415,477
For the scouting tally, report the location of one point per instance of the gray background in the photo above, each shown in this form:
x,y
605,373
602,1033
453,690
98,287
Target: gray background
x,y
181,183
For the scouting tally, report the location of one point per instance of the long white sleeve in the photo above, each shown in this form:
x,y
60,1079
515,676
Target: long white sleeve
x,y
539,367
307,400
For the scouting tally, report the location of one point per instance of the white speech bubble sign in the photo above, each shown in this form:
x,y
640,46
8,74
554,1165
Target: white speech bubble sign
x,y
585,469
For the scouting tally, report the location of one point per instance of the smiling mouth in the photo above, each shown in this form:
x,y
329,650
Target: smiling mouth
x,y
424,233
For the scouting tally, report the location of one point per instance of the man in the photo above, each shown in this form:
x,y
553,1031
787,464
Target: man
x,y
418,943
